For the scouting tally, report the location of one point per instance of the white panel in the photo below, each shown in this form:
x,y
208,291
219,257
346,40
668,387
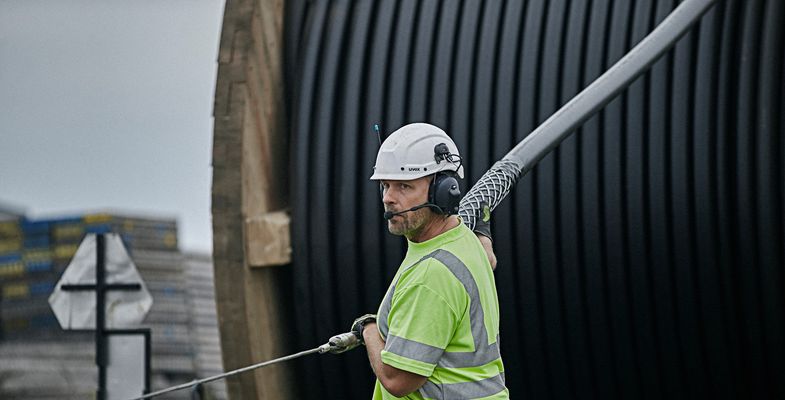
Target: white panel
x,y
125,370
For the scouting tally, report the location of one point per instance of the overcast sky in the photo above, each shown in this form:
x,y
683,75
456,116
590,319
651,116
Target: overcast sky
x,y
107,105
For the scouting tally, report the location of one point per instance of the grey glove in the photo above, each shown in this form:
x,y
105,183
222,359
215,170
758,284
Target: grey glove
x,y
359,324
483,223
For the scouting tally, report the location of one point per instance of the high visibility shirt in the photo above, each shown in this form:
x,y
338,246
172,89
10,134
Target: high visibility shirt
x,y
440,319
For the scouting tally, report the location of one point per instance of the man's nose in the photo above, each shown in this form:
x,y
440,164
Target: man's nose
x,y
387,196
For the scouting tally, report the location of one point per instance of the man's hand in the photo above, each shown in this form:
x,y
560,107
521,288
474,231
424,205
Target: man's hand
x,y
482,228
359,325
487,244
396,381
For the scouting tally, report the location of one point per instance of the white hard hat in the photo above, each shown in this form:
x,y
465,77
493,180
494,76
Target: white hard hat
x,y
411,152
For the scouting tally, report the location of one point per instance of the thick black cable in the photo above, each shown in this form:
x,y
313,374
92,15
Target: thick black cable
x,y
495,184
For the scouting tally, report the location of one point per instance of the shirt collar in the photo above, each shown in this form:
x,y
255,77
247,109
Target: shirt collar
x,y
441,239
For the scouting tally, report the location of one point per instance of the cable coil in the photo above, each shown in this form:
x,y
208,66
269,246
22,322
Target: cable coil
x,y
642,258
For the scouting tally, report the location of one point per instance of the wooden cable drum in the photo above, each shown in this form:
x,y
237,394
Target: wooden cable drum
x,y
643,258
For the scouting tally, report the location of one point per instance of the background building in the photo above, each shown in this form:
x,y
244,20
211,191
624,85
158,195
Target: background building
x,y
42,361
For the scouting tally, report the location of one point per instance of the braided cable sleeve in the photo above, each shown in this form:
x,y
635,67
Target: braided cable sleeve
x,y
491,188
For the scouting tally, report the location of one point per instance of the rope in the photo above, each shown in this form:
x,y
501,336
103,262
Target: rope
x,y
319,349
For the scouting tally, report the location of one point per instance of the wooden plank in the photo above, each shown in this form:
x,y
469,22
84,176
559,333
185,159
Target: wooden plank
x,y
267,240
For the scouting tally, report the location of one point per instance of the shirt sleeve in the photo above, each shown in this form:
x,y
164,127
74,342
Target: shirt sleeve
x,y
422,324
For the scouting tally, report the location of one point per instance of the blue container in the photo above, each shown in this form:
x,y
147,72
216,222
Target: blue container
x,y
11,266
65,220
31,241
37,259
39,266
41,288
10,258
98,228
35,227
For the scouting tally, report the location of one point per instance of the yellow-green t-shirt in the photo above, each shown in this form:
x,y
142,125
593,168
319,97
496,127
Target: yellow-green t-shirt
x,y
440,319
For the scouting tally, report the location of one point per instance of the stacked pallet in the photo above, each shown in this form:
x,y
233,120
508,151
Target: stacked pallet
x,y
40,361
48,369
28,273
33,255
204,322
169,317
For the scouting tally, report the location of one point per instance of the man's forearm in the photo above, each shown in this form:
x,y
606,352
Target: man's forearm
x,y
398,382
374,344
487,244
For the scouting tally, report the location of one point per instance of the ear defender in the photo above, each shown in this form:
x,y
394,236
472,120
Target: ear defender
x,y
445,192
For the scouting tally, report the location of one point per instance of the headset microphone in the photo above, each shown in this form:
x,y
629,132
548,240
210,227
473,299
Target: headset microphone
x,y
388,215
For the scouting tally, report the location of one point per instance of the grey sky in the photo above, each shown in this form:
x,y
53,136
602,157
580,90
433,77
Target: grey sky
x,y
107,105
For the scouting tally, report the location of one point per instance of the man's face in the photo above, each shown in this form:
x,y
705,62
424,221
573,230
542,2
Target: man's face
x,y
403,195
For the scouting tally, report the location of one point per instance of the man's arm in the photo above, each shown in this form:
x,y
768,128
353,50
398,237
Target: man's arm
x,y
487,244
397,381
482,228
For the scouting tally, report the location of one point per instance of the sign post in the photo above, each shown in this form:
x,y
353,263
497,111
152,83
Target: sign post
x,y
73,311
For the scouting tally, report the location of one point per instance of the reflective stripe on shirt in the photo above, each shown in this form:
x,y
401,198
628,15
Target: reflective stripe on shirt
x,y
483,353
464,390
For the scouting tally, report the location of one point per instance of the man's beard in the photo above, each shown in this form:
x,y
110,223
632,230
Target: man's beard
x,y
409,224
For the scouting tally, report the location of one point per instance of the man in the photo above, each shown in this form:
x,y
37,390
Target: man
x,y
436,335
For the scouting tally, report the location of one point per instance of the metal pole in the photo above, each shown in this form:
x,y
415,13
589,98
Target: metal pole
x,y
148,354
100,301
100,331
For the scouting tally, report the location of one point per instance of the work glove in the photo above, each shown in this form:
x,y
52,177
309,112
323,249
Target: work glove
x,y
359,324
483,223
347,341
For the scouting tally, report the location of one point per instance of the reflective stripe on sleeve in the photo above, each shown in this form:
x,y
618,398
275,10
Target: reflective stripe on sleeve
x,y
413,350
384,312
463,390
